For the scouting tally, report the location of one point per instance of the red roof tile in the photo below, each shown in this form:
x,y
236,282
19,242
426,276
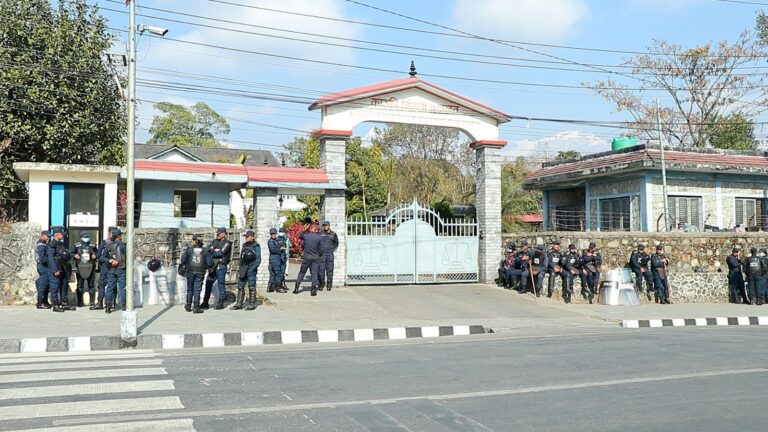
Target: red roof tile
x,y
286,174
189,167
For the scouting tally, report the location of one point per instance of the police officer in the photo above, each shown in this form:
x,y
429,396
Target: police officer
x,y
638,263
103,269
42,283
276,248
753,267
736,287
250,259
591,260
554,270
569,264
310,241
58,256
762,281
659,264
84,255
537,267
193,263
221,252
282,235
116,259
506,267
329,242
522,258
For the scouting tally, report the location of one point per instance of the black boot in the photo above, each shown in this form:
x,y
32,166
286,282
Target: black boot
x,y
314,291
188,307
198,309
271,288
98,306
219,305
109,307
239,302
80,302
282,288
329,286
57,307
296,289
251,298
43,305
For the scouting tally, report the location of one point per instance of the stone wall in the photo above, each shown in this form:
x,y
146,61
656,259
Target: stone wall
x,y
697,260
18,271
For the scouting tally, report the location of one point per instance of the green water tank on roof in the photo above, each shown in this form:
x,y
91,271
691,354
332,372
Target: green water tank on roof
x,y
623,142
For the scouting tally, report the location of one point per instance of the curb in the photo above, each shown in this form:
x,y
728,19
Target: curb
x,y
216,340
696,322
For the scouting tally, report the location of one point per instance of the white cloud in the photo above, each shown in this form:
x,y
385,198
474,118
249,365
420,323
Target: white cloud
x,y
527,20
548,147
181,56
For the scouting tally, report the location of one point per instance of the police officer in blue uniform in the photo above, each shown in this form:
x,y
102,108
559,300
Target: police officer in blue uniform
x,y
569,262
42,283
221,252
329,242
554,270
522,258
537,267
250,259
735,277
103,269
659,264
591,260
638,263
506,266
58,256
753,268
116,259
84,255
276,247
310,241
193,263
282,235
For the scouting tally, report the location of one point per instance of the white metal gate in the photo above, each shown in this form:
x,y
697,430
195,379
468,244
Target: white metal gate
x,y
411,245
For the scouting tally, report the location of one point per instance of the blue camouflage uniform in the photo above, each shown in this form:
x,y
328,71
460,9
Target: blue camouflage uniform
x,y
116,275
275,246
221,252
56,270
310,260
43,280
329,242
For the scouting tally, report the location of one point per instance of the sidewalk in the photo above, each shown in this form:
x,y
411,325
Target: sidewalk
x,y
352,308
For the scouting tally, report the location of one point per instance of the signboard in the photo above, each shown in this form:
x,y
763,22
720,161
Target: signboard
x,y
83,220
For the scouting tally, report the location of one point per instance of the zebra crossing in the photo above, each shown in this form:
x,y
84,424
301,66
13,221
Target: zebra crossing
x,y
38,391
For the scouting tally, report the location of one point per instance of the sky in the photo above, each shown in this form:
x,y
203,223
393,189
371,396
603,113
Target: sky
x,y
228,60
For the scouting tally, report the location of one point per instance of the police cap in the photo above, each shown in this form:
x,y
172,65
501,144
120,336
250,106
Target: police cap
x,y
58,230
523,243
555,242
250,233
272,231
85,234
282,230
220,230
117,231
753,251
659,247
641,247
592,245
326,223
571,246
44,232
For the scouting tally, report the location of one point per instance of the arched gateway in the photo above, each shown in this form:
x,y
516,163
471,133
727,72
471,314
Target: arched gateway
x,y
414,101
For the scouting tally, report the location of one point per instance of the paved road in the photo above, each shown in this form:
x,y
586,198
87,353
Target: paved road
x,y
701,379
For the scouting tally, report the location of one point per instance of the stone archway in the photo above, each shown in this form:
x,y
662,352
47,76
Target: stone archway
x,y
414,101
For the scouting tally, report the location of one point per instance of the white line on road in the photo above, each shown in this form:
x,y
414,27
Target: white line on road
x,y
85,389
180,425
82,364
55,376
437,397
80,356
64,353
83,408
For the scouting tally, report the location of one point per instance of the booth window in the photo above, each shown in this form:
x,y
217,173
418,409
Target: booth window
x,y
184,203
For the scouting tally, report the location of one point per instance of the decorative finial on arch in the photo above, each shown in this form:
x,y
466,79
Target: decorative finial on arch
x,y
412,71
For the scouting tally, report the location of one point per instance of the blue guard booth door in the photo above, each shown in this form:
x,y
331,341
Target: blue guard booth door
x,y
78,207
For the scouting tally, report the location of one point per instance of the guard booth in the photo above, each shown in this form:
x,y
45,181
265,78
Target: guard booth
x,y
412,245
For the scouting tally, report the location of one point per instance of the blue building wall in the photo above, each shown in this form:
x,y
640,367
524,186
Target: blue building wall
x,y
157,205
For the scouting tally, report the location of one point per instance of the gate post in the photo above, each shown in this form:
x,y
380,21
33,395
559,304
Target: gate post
x,y
488,205
333,157
264,218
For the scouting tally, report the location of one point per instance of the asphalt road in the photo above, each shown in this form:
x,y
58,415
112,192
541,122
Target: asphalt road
x,y
698,379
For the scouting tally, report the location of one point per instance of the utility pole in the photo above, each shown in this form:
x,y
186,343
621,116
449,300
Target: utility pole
x,y
129,320
663,168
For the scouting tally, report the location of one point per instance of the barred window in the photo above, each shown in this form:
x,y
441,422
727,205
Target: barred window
x,y
684,210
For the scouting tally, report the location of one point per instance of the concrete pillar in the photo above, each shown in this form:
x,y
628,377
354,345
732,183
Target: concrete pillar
x,y
265,216
333,155
488,204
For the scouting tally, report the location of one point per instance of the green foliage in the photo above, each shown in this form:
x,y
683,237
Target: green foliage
x,y
732,132
303,152
365,183
58,100
567,154
515,200
195,126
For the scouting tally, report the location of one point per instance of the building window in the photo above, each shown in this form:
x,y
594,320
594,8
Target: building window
x,y
567,218
684,210
749,211
184,203
615,214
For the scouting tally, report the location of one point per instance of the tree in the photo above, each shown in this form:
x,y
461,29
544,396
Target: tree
x,y
703,82
303,152
515,200
567,155
59,101
195,126
732,132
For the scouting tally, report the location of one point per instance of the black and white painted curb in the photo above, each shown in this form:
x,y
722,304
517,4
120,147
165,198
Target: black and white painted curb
x,y
696,322
215,340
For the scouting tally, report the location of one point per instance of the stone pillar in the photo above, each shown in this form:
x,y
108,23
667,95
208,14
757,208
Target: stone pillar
x,y
488,204
264,217
333,155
